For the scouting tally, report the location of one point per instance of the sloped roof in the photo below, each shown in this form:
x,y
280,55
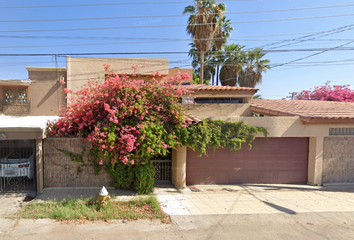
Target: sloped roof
x,y
310,111
191,118
204,87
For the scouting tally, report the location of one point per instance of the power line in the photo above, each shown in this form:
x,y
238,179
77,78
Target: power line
x,y
171,16
305,38
110,37
339,48
176,25
119,43
323,51
111,4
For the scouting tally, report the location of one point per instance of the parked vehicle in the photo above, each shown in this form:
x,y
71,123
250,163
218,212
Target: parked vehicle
x,y
13,167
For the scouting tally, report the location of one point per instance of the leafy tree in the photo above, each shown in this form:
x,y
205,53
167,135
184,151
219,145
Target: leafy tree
x,y
196,78
209,67
202,25
337,93
255,66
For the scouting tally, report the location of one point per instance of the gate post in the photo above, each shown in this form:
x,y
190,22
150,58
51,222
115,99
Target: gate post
x,y
179,159
39,165
315,160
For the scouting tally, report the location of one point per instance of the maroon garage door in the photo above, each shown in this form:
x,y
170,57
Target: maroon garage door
x,y
272,160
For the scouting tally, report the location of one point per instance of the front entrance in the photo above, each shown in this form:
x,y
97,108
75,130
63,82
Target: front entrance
x,y
163,168
17,165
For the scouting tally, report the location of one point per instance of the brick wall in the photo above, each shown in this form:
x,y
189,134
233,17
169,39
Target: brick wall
x,y
338,159
61,171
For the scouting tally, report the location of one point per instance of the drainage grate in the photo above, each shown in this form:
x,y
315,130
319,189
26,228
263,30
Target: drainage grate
x,y
341,131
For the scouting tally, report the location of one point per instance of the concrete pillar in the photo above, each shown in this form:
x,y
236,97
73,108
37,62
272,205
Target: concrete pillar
x,y
179,159
315,160
39,165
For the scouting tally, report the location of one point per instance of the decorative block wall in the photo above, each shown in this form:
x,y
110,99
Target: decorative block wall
x,y
61,171
338,159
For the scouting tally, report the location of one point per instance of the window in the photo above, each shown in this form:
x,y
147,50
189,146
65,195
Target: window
x,y
18,96
21,96
9,96
341,131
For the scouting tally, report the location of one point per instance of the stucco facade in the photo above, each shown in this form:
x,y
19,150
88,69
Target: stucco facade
x,y
79,70
43,93
319,166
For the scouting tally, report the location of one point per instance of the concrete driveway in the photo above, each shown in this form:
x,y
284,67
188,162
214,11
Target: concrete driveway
x,y
255,199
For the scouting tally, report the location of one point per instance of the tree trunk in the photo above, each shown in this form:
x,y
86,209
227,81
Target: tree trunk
x,y
201,67
217,75
212,79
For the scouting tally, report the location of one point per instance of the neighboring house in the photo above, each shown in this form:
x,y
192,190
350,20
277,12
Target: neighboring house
x,y
27,105
309,142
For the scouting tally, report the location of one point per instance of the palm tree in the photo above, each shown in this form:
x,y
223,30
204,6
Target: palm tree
x,y
234,60
202,25
209,66
223,32
251,75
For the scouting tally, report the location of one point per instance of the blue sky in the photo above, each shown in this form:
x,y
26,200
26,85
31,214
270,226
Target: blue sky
x,y
152,34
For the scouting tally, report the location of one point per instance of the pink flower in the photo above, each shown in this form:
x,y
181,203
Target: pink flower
x,y
106,66
101,162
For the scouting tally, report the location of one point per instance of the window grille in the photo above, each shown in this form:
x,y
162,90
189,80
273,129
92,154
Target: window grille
x,y
341,131
9,96
21,96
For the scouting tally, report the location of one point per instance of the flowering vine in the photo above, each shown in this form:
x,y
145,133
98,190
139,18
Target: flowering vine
x,y
337,93
129,121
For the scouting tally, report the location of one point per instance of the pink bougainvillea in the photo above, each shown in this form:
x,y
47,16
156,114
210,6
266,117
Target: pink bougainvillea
x,y
338,93
126,120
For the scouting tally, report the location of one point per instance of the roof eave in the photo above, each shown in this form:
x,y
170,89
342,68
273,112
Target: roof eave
x,y
325,120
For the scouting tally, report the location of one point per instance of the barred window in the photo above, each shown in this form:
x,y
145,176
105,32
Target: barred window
x,y
341,131
21,96
15,96
9,96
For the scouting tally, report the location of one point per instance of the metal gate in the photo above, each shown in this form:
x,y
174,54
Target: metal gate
x,y
163,168
17,165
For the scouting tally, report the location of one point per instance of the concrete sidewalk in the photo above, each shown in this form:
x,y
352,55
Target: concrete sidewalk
x,y
255,199
223,199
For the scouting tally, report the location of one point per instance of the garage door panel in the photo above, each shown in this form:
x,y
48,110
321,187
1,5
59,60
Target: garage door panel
x,y
272,160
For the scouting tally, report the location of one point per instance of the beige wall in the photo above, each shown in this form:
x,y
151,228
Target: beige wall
x,y
293,127
13,84
220,110
45,91
285,126
172,72
81,69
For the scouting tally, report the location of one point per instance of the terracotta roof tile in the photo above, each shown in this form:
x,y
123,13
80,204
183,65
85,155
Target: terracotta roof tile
x,y
308,110
203,87
190,118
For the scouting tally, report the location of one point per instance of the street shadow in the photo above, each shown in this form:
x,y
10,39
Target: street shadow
x,y
279,208
327,188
